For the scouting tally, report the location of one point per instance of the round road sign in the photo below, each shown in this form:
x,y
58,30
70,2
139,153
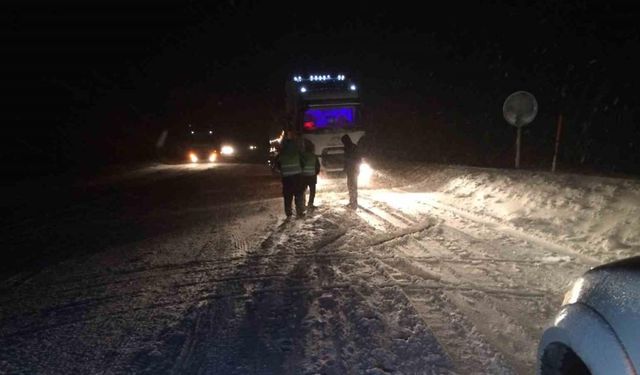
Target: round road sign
x,y
520,108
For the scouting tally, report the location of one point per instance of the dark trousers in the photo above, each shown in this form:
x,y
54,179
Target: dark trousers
x,y
310,182
352,185
292,188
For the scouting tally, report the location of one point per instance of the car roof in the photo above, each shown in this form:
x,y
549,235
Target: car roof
x,y
630,264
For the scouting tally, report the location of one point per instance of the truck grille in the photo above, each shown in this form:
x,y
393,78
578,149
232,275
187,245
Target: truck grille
x,y
332,162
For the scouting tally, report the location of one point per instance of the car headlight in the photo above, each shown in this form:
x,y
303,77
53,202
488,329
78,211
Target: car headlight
x,y
227,150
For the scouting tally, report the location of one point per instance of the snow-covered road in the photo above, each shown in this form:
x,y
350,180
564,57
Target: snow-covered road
x,y
417,281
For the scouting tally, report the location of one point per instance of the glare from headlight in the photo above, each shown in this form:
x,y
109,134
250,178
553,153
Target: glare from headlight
x,y
572,295
212,157
193,157
227,150
364,178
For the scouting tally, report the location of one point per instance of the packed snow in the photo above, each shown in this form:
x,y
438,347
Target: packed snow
x,y
441,270
598,217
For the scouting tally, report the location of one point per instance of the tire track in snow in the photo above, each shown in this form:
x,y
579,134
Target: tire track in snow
x,y
502,332
392,219
458,242
220,317
500,226
466,346
339,345
85,304
492,266
277,252
480,356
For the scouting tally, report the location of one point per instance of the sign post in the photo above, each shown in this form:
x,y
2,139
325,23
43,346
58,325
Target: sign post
x,y
518,138
519,109
555,152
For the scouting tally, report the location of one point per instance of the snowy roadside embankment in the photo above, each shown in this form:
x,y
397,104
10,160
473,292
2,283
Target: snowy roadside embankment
x,y
598,217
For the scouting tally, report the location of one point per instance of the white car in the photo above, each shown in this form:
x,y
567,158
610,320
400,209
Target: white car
x,y
597,330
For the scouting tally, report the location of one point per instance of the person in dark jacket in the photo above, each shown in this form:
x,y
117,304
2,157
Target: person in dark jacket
x,y
352,160
310,170
289,162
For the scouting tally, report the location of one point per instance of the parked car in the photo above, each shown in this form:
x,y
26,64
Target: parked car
x,y
597,330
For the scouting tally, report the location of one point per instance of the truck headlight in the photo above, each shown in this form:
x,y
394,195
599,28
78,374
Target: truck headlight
x,y
193,157
366,172
213,157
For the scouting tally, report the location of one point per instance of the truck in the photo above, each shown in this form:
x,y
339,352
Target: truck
x,y
194,144
322,108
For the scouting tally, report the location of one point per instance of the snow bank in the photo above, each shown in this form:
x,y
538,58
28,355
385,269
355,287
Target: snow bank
x,y
596,216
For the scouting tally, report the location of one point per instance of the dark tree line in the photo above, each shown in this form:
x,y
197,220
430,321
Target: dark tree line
x,y
576,66
92,86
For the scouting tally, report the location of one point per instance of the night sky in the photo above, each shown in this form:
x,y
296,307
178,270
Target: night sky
x,y
94,83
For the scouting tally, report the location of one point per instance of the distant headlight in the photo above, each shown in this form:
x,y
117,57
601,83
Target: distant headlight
x,y
227,150
193,157
213,157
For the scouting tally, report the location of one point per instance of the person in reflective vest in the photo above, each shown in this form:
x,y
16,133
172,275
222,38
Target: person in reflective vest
x,y
289,163
310,170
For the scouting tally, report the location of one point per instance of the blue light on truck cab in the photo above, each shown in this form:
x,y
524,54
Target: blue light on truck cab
x,y
329,117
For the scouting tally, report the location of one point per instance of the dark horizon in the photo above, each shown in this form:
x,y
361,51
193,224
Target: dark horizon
x,y
96,84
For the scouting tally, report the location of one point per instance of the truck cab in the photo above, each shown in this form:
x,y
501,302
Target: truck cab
x,y
322,109
200,144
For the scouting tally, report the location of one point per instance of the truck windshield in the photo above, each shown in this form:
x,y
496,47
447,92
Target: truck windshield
x,y
327,118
